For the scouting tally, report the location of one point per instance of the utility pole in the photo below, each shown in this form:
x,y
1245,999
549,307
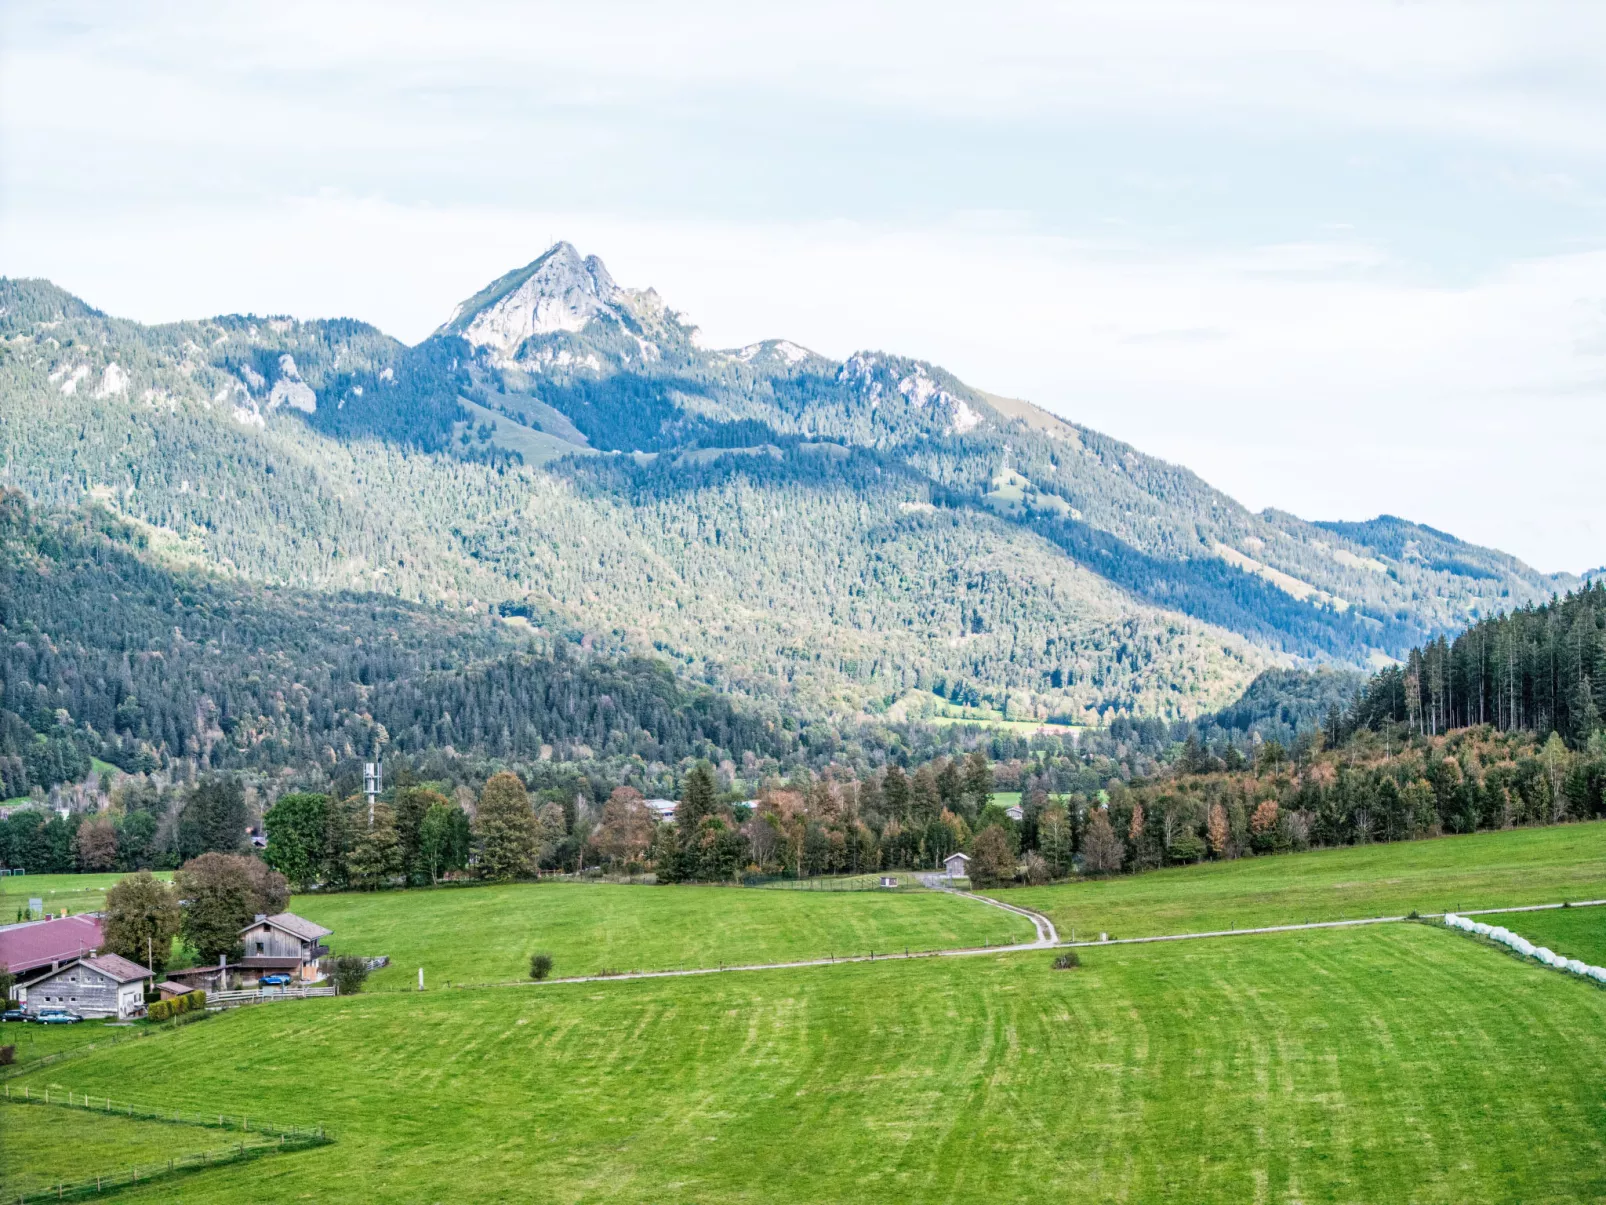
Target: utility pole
x,y
373,774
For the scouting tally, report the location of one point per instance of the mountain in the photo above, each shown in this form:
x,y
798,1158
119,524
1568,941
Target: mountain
x,y
816,537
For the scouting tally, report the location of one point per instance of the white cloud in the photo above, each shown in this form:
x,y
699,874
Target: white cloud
x,y
1340,259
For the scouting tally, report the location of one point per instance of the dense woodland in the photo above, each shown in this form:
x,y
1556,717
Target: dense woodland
x,y
881,536
1357,775
245,554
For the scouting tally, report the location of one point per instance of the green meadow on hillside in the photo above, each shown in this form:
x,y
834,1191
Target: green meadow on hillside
x,y
1480,870
1573,932
486,934
1395,1064
74,892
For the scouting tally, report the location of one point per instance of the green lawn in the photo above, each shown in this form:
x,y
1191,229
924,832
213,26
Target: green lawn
x,y
486,934
1378,1065
34,1042
74,892
45,1145
1573,932
1482,870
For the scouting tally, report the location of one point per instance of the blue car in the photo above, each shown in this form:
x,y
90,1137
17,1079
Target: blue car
x,y
14,1014
274,981
58,1016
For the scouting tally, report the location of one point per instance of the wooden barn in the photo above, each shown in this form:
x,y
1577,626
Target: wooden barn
x,y
101,985
283,943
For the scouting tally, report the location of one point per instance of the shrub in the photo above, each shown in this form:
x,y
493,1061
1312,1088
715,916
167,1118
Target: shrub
x,y
540,966
1067,961
8,1055
349,973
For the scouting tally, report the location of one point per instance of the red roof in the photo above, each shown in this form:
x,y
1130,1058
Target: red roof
x,y
34,944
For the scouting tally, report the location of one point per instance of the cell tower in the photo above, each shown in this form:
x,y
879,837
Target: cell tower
x,y
373,782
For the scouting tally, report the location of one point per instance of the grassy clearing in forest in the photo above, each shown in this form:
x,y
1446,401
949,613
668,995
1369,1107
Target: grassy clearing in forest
x,y
1395,1064
486,934
1572,932
1480,870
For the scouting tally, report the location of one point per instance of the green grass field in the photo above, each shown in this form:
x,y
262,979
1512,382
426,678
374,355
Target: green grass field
x,y
1574,932
588,927
1481,870
1378,1065
45,1145
74,892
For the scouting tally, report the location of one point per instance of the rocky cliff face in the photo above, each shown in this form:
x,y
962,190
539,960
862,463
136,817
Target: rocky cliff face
x,y
558,292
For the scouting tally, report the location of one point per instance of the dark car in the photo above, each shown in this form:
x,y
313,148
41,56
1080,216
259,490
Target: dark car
x,y
274,981
58,1016
13,1014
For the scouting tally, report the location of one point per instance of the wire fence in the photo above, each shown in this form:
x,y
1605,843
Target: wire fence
x,y
241,1123
256,1138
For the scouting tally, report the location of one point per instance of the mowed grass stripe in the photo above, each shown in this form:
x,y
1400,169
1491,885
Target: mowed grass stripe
x,y
1401,1063
1480,870
486,934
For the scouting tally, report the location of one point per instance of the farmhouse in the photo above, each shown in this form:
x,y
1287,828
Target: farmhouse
x,y
104,985
664,809
283,942
47,944
957,865
1015,812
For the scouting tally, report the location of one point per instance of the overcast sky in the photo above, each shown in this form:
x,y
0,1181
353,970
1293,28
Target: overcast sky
x,y
1339,259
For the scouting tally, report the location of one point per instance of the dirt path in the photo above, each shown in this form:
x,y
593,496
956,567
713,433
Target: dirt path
x,y
1047,938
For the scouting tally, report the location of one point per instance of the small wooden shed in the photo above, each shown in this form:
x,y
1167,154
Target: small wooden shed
x,y
957,865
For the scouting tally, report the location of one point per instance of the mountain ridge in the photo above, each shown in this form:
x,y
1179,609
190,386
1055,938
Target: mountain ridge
x,y
588,461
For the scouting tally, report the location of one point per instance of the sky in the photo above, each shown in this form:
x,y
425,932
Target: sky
x,y
1340,260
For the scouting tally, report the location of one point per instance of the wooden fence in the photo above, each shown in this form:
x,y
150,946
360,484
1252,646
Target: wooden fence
x,y
216,1001
256,1138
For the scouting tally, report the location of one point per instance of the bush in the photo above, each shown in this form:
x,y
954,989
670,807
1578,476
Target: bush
x,y
1067,961
163,1010
349,973
540,966
8,1055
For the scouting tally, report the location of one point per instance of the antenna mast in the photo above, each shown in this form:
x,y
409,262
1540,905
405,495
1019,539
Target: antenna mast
x,y
373,782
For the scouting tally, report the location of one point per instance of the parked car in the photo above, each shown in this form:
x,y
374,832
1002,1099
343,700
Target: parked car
x,y
274,981
58,1016
14,1014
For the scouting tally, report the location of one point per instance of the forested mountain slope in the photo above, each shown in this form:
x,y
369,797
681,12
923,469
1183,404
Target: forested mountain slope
x,y
831,536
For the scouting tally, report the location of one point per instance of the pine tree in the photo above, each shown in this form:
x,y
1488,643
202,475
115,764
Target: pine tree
x,y
895,793
699,797
505,829
978,783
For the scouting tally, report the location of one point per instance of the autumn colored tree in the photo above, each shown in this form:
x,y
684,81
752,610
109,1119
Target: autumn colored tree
x,y
1263,827
95,844
626,829
992,857
1217,832
1102,852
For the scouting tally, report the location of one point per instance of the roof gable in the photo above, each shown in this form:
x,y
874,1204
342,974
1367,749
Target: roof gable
x,y
297,926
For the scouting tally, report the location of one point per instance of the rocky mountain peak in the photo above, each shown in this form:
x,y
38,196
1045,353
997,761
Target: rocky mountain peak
x,y
560,291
